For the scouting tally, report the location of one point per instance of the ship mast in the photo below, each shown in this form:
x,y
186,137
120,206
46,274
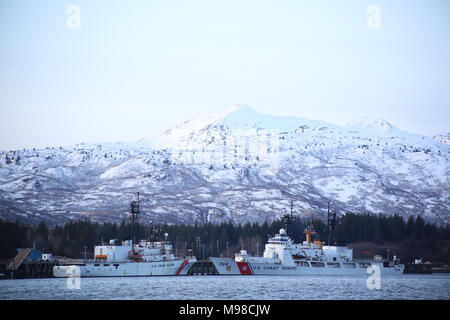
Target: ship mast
x,y
309,231
135,211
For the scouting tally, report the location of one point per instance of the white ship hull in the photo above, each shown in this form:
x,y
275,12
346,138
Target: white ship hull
x,y
227,266
125,269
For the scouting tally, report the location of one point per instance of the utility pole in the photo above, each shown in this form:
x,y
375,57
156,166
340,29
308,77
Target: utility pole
x,y
288,219
197,240
203,252
176,246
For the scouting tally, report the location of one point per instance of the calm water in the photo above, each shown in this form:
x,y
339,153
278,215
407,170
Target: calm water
x,y
434,286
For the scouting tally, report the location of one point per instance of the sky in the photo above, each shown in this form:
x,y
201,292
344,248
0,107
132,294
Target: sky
x,y
110,70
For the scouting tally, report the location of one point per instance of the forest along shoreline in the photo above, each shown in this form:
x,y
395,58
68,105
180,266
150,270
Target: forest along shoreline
x,y
368,235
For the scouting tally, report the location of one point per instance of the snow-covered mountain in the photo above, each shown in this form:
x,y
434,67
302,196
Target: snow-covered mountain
x,y
238,118
237,165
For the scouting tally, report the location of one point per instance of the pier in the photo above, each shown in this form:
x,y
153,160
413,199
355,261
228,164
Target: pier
x,y
440,268
420,268
38,269
26,264
203,268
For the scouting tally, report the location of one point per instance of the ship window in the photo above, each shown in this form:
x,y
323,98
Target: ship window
x,y
333,265
302,263
106,265
318,264
349,265
364,264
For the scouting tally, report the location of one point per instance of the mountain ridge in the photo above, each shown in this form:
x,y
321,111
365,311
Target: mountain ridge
x,y
233,166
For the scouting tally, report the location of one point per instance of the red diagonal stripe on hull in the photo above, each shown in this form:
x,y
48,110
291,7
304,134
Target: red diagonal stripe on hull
x,y
244,268
182,266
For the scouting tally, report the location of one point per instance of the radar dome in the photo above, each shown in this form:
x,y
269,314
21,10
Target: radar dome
x,y
282,232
